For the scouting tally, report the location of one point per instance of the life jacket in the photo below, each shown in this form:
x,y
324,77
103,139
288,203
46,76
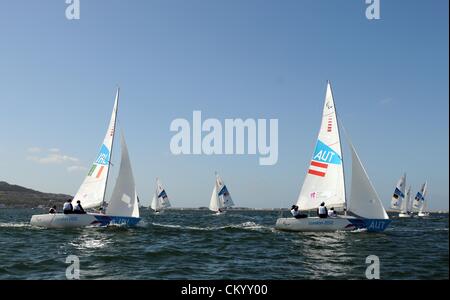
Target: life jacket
x,y
67,206
322,210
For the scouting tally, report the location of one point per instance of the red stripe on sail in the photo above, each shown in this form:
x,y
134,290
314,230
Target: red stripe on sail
x,y
318,164
317,173
100,172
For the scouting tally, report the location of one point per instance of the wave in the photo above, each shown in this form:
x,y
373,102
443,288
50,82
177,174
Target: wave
x,y
245,226
18,225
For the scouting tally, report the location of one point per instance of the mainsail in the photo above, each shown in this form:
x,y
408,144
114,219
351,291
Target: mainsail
x,y
405,207
324,181
420,197
364,200
160,199
124,201
220,197
399,193
92,191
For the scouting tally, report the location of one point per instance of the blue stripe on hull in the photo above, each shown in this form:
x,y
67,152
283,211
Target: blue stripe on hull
x,y
117,220
373,225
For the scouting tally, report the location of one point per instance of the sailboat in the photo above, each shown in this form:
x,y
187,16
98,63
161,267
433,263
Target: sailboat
x,y
406,207
420,203
220,198
399,193
325,182
160,199
123,205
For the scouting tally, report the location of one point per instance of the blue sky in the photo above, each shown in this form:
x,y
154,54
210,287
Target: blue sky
x,y
229,59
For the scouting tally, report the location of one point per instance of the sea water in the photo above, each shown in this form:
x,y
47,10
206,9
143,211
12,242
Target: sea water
x,y
196,244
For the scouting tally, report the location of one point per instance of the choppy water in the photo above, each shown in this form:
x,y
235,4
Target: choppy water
x,y
237,245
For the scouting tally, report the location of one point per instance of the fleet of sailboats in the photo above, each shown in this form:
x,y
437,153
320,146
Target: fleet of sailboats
x,y
324,183
402,201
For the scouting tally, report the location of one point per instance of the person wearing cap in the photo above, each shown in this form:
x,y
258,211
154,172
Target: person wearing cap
x,y
78,208
52,210
332,213
296,213
322,210
67,207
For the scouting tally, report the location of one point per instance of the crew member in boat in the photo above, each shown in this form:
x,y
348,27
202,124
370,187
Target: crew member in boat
x,y
52,210
78,208
332,213
322,211
296,213
67,207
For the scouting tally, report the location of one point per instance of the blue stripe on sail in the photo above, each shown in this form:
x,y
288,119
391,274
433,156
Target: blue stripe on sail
x,y
162,194
324,153
420,197
399,193
103,156
223,191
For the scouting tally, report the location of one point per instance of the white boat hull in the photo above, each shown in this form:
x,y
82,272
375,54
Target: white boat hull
x,y
79,220
403,215
423,214
316,224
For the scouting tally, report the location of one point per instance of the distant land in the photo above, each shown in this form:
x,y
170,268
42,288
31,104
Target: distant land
x,y
16,196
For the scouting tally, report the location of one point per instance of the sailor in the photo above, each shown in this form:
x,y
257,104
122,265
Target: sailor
x,y
294,210
52,210
68,208
296,213
78,208
322,210
332,213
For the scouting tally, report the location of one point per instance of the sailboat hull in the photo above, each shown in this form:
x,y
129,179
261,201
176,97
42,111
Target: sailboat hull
x,y
80,220
315,224
403,215
423,214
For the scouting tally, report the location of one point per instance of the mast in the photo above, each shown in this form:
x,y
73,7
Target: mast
x,y
112,145
340,147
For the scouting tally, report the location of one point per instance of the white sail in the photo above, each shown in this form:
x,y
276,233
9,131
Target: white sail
x,y
399,193
324,181
124,200
405,203
220,197
214,204
420,196
410,203
223,194
364,200
423,208
92,191
160,199
154,204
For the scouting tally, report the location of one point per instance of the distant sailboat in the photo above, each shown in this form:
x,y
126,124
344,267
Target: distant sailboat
x,y
420,202
399,193
325,182
220,198
123,205
406,207
160,199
